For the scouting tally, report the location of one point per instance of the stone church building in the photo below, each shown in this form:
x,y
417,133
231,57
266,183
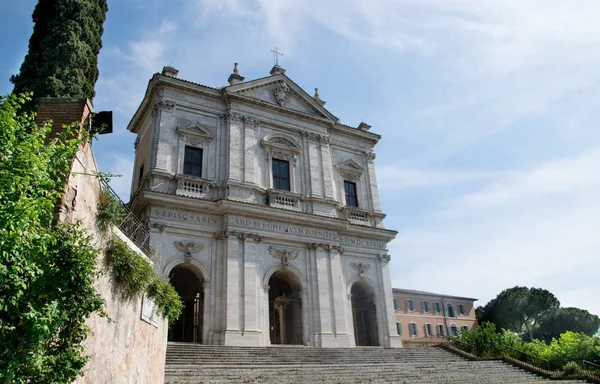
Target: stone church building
x,y
264,213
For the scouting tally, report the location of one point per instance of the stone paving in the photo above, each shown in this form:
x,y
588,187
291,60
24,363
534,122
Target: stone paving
x,y
193,363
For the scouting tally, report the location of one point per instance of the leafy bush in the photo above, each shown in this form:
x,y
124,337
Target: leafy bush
x,y
129,270
110,211
167,300
135,275
46,271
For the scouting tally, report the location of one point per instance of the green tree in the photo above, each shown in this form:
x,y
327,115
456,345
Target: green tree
x,y
62,60
560,320
519,309
46,270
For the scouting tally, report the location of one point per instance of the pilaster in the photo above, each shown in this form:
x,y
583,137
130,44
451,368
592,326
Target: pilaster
x,y
372,179
390,336
236,147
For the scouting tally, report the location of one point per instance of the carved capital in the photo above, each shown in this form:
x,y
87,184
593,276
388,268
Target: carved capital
x,y
162,105
159,226
222,235
252,122
370,156
385,258
136,142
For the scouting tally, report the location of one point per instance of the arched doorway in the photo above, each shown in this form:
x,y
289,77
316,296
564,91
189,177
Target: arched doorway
x,y
285,309
364,313
188,327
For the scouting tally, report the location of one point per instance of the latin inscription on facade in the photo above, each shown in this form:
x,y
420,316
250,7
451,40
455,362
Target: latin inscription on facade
x,y
283,228
189,217
356,242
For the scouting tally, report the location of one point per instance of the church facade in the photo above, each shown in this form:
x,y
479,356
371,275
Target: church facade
x,y
264,213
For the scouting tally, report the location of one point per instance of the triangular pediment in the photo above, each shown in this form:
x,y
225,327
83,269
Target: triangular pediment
x,y
349,169
279,90
195,133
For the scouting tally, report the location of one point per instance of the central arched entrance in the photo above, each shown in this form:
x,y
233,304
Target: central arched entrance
x,y
364,313
188,327
285,308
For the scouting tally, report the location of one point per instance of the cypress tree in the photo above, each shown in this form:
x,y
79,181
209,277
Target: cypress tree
x,y
62,60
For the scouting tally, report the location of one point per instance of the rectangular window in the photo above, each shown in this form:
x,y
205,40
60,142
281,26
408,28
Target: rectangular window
x,y
413,330
441,331
350,189
428,330
438,307
409,305
281,174
425,306
461,309
396,305
192,161
399,329
141,176
465,328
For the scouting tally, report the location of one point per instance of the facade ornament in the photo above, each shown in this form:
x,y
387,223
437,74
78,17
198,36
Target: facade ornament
x,y
350,170
252,122
370,156
281,93
188,249
195,134
325,246
284,255
162,105
318,98
136,142
360,268
385,258
159,226
221,235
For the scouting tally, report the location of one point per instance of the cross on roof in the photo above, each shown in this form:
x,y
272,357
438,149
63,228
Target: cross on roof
x,y
276,55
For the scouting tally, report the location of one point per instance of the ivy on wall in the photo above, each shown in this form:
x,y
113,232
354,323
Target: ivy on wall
x,y
135,276
47,271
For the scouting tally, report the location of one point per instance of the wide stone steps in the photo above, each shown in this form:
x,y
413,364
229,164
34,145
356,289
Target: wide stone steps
x,y
193,363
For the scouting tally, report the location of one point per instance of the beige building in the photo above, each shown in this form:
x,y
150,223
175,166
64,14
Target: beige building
x,y
431,317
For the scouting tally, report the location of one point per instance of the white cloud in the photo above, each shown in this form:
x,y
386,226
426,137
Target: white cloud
x,y
395,178
536,228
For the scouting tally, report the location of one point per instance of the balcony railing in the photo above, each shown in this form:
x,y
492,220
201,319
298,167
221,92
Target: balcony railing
x,y
190,186
357,216
131,226
283,199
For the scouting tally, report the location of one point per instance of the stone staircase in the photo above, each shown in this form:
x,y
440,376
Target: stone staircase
x,y
194,363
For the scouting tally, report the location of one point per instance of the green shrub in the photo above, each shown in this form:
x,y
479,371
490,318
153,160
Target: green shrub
x,y
110,211
46,271
129,270
135,276
167,300
571,369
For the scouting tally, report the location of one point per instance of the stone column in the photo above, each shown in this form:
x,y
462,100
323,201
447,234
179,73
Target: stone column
x,y
206,318
343,330
373,193
328,180
161,150
265,318
253,332
314,161
386,303
250,153
234,290
236,147
324,294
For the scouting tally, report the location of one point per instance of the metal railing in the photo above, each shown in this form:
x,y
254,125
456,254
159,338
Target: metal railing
x,y
130,225
594,369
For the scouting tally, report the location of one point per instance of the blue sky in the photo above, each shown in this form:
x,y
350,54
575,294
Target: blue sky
x,y
489,166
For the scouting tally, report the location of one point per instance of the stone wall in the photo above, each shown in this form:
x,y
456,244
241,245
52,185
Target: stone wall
x,y
125,349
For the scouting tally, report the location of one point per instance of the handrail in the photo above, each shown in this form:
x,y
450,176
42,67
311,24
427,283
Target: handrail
x,y
131,226
594,371
531,355
454,338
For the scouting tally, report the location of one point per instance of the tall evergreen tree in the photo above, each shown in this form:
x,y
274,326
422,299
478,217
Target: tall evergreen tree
x,y
63,50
